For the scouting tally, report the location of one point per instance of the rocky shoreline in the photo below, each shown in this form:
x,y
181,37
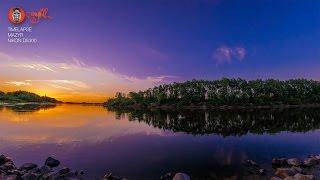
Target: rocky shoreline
x,y
288,168
50,171
31,171
283,169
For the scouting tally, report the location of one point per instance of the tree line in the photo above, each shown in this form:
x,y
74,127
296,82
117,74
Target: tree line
x,y
24,96
223,92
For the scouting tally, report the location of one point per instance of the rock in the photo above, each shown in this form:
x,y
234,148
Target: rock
x,y
251,163
275,178
4,159
262,171
181,176
284,172
45,169
10,177
64,171
279,161
34,170
51,162
232,178
30,176
9,165
317,157
107,176
294,162
16,172
303,177
310,162
166,176
28,166
297,169
50,175
71,174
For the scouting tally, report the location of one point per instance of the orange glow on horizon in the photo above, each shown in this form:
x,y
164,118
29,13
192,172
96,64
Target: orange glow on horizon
x,y
67,97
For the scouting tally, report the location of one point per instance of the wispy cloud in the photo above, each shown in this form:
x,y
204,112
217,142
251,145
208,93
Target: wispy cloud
x,y
18,83
228,54
58,83
70,80
35,66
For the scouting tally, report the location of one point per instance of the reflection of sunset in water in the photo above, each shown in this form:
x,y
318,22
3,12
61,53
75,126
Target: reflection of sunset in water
x,y
135,145
66,123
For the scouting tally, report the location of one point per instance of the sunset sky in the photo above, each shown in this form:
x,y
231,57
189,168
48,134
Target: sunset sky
x,y
91,49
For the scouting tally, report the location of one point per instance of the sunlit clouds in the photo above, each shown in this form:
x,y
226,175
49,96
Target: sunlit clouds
x,y
18,83
71,80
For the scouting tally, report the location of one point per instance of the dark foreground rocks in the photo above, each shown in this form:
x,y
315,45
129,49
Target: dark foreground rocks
x,y
297,169
31,171
167,176
290,168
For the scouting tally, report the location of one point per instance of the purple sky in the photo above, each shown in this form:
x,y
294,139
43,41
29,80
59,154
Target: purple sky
x,y
176,40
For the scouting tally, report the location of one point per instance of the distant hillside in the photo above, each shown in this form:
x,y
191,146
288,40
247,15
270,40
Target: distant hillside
x,y
223,92
24,96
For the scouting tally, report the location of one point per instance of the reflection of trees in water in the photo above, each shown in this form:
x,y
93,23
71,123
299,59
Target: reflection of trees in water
x,y
229,122
29,107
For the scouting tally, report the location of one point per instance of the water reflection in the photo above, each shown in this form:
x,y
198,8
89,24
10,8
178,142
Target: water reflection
x,y
141,145
28,107
229,122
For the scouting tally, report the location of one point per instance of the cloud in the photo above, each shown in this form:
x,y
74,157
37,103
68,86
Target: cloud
x,y
38,67
240,53
160,79
70,80
58,83
18,83
227,54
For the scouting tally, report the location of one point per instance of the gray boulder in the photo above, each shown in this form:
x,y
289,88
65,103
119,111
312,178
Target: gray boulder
x,y
181,176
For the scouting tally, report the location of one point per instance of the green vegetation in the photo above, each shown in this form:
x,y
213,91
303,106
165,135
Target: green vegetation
x,y
24,96
231,92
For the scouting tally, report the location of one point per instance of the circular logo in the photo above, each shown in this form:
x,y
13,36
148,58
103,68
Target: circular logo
x,y
16,15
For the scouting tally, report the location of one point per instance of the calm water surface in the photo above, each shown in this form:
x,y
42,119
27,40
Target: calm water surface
x,y
147,144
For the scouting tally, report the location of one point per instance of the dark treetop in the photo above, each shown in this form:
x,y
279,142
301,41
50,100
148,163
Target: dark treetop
x,y
223,92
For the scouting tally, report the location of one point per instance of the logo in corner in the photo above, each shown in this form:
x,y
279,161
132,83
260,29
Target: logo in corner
x,y
16,15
